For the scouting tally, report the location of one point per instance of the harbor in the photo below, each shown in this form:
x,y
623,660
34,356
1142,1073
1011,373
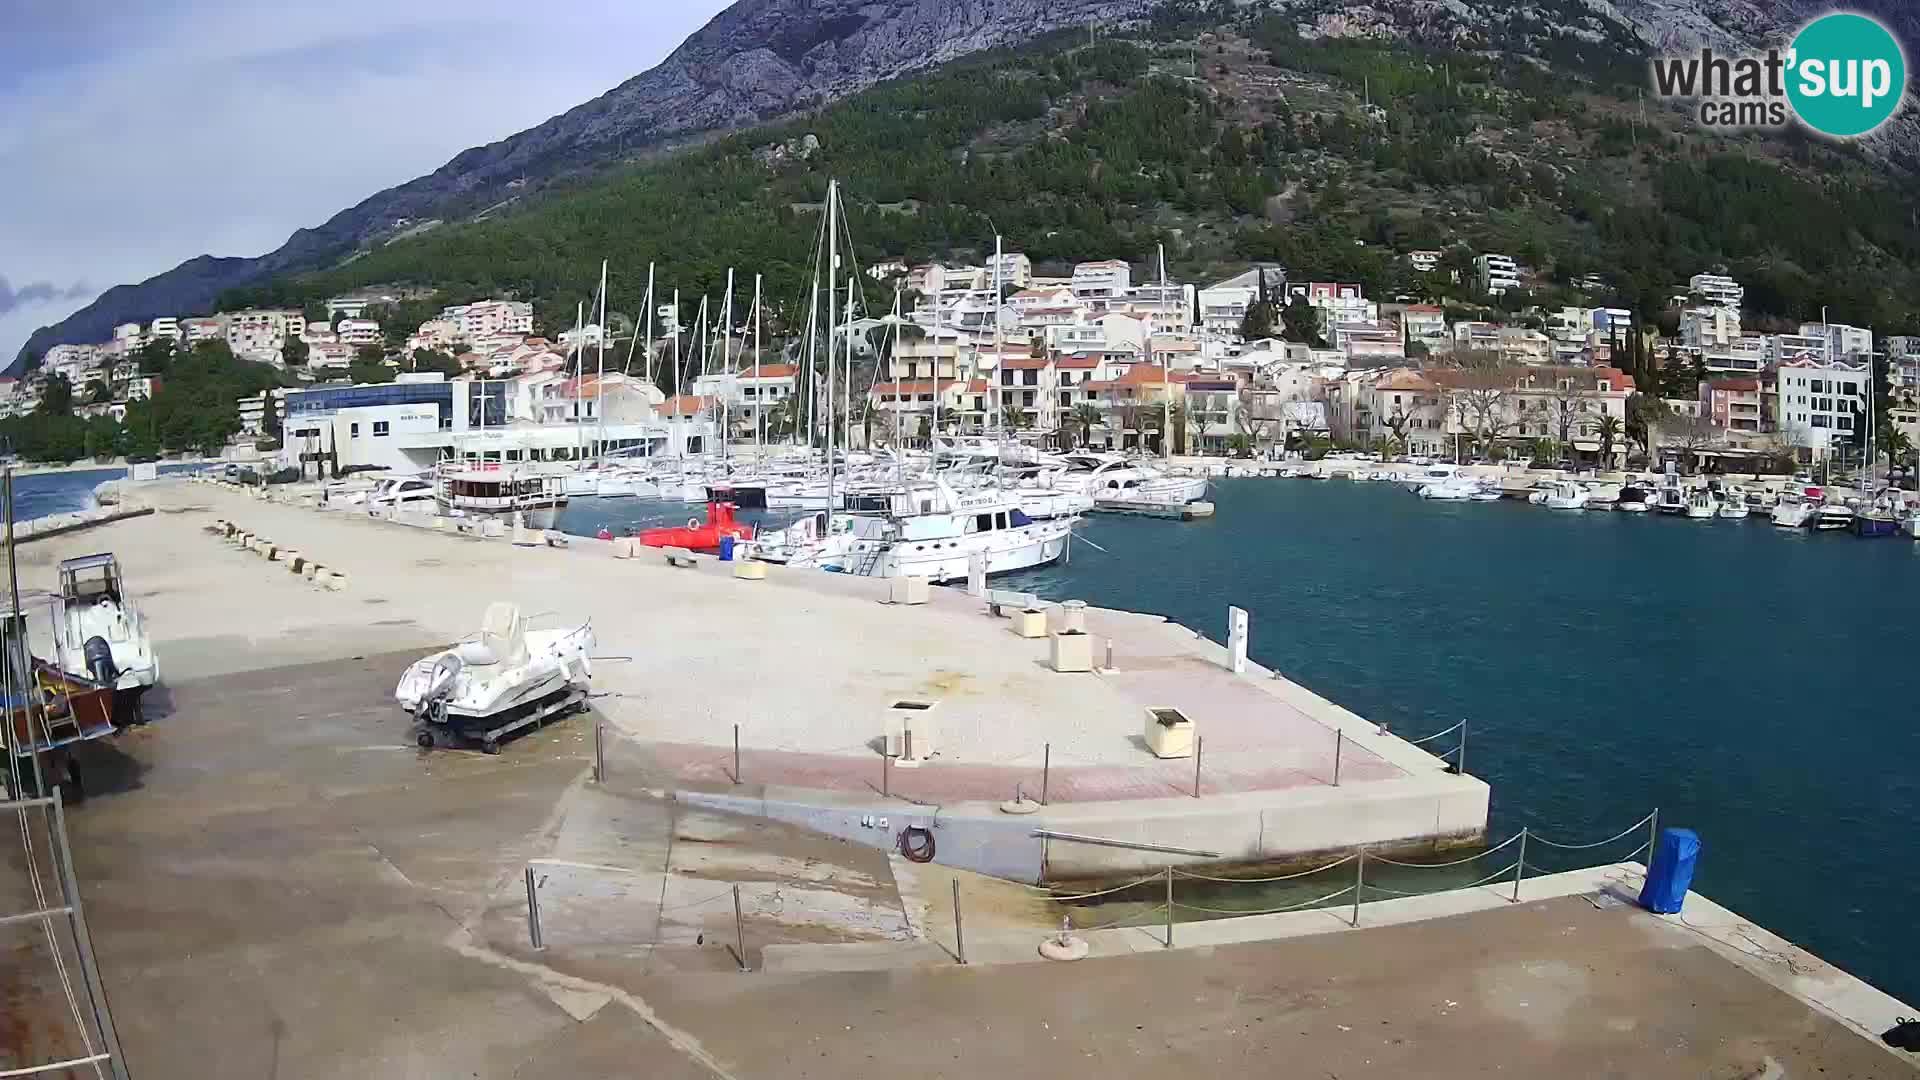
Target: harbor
x,y
665,861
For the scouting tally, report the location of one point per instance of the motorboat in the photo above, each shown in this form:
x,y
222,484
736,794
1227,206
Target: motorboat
x,y
1670,500
1793,511
1113,478
926,529
1565,495
1635,507
1452,489
505,679
1832,517
100,635
1633,499
1601,496
396,491
1487,490
1733,505
1700,505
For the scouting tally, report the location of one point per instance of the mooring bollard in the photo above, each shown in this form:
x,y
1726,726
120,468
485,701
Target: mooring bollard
x,y
533,912
1236,640
739,931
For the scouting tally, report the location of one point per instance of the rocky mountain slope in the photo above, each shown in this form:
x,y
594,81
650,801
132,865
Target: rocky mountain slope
x,y
765,58
756,60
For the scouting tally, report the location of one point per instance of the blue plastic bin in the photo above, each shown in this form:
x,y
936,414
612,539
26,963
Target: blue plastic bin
x,y
726,549
1671,873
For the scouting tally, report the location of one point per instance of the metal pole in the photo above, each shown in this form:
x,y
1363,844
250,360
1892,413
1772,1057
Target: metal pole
x,y
1169,943
739,932
736,753
1359,883
1109,654
599,751
1199,744
533,912
1653,835
886,775
1339,744
1520,866
959,930
1460,761
82,940
1046,771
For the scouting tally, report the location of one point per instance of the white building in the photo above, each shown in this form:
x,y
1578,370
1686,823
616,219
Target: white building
x,y
165,326
1782,348
1717,289
1819,403
1426,325
1223,305
1496,273
202,329
329,354
1710,326
253,411
489,317
1337,302
127,332
1843,342
1013,269
748,393
1106,280
357,332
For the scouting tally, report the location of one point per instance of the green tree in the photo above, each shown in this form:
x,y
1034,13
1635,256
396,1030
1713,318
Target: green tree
x,y
1176,415
369,354
56,396
1609,434
1258,322
98,392
1303,323
293,352
155,356
362,371
434,360
1086,416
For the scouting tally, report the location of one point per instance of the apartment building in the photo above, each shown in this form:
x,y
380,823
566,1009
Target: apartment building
x,y
1223,305
1103,281
202,329
1010,269
358,332
1709,326
1820,402
1843,342
1337,302
487,318
1783,348
1735,404
1496,273
166,326
1426,325
1747,354
1717,290
329,354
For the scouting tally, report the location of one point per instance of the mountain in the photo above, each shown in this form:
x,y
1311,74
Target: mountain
x,y
756,60
762,59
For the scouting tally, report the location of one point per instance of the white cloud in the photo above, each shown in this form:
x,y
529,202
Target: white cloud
x,y
215,126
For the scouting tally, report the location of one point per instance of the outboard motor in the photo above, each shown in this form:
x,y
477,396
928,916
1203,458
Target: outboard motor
x,y
440,683
99,657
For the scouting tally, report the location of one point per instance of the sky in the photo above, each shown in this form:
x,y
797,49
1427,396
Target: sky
x,y
134,136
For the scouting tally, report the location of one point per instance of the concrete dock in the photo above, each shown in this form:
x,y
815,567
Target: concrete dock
x,y
280,884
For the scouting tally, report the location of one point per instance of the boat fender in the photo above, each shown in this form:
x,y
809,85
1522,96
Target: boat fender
x,y
693,523
916,844
99,657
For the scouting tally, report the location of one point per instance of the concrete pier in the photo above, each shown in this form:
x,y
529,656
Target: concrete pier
x,y
279,884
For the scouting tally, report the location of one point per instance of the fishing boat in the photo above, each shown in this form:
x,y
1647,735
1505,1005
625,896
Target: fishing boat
x,y
98,632
506,679
491,491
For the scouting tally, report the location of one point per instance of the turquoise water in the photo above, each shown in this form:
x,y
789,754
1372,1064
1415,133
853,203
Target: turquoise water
x,y
1754,684
40,494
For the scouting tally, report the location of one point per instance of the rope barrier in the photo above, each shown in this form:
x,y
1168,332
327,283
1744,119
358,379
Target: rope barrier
x,y
1437,734
1091,895
1515,838
1177,872
1621,835
1269,911
1122,920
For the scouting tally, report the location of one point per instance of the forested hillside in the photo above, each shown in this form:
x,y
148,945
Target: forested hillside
x,y
1226,143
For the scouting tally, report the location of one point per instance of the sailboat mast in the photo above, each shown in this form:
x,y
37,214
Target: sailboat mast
x,y
726,368
999,361
1166,377
759,394
832,270
600,372
579,364
846,368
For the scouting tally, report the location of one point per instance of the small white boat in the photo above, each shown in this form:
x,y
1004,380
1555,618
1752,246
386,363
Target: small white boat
x,y
1733,505
1633,507
1792,511
1700,505
506,679
99,632
1833,517
1565,495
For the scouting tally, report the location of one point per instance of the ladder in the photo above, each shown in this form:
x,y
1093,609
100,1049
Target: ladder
x,y
100,1041
868,559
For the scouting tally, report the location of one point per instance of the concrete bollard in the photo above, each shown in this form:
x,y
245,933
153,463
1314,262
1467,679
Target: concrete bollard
x,y
312,571
337,582
296,562
977,575
283,554
623,547
1236,640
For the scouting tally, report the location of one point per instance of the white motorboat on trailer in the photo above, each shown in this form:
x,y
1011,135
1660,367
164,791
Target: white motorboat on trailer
x,y
504,680
100,635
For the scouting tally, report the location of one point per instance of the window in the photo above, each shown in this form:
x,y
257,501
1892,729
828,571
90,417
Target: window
x,y
1820,421
353,431
1066,400
1026,398
1029,377
1066,378
379,429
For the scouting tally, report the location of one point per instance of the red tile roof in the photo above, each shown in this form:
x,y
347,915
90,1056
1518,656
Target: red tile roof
x,y
770,371
684,405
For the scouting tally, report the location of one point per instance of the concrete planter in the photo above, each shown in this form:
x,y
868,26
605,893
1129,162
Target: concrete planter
x,y
1073,616
1169,733
1069,652
907,590
750,570
1031,623
910,735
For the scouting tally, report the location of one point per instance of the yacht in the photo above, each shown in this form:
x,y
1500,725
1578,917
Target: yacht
x,y
1793,511
1115,478
1832,517
1452,489
99,633
504,679
1700,504
1669,499
493,491
927,530
401,491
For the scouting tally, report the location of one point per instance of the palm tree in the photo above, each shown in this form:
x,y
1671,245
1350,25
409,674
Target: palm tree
x,y
1088,416
1896,445
1609,431
1177,420
1013,417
